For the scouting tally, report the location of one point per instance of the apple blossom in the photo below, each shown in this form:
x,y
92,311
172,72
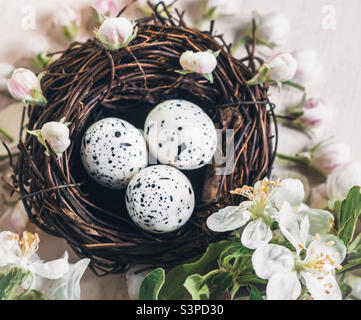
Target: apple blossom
x,y
286,271
342,179
24,85
5,74
257,214
272,28
309,66
116,33
16,252
56,134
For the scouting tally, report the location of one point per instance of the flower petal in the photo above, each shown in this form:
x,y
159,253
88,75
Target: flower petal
x,y
328,245
291,191
65,288
228,219
284,286
322,287
9,249
296,234
51,270
321,221
271,259
256,234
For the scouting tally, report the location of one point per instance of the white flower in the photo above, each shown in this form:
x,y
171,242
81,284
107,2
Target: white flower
x,y
309,66
65,288
21,253
199,62
286,270
282,67
315,113
5,74
342,179
272,28
56,134
330,155
266,197
66,16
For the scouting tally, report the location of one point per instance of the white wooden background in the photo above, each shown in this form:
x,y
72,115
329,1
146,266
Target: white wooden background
x,y
340,83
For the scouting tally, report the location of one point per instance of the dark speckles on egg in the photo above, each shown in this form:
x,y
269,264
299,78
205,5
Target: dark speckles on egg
x,y
181,123
166,209
107,152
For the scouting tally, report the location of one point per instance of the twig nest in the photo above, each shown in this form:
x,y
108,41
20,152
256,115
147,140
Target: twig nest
x,y
89,83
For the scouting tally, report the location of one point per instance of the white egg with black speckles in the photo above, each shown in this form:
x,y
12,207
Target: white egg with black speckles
x,y
113,151
160,199
179,133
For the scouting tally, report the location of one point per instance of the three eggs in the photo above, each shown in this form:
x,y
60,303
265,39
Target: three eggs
x,y
159,198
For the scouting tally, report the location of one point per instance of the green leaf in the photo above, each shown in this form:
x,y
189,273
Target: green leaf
x,y
254,293
152,284
10,283
173,288
197,287
209,77
346,290
349,214
222,281
235,256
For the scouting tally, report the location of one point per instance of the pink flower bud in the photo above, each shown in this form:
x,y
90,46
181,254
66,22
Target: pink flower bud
x,y
199,62
315,113
23,84
282,67
329,156
106,8
66,16
114,32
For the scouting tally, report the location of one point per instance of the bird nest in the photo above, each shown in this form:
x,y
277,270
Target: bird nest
x,y
87,83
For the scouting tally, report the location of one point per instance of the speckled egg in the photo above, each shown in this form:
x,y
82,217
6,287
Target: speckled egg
x,y
179,133
113,151
160,199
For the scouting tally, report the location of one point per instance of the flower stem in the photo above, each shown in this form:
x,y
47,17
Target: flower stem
x,y
6,135
294,85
